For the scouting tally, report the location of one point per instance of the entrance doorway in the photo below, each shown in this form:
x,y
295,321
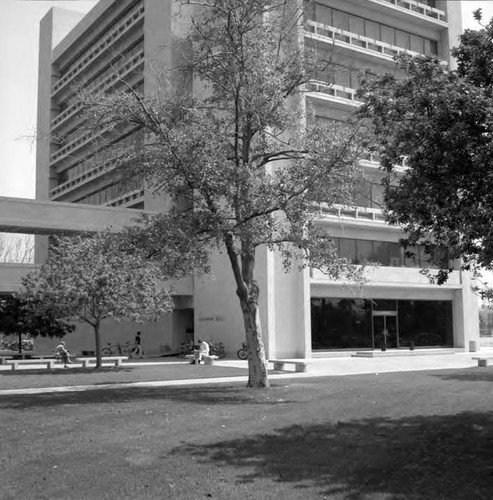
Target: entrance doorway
x,y
385,329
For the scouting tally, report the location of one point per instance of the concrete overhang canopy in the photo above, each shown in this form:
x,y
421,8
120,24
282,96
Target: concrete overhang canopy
x,y
22,215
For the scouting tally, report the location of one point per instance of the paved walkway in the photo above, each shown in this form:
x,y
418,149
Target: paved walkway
x,y
234,371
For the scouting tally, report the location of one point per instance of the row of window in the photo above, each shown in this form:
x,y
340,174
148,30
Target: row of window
x,y
389,254
371,29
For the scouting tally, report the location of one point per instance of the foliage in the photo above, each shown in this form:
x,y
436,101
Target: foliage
x,y
236,157
440,121
16,248
20,316
89,279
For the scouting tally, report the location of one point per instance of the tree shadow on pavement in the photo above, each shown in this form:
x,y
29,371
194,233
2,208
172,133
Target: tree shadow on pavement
x,y
419,458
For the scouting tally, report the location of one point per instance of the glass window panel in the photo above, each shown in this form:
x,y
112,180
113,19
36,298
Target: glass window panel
x,y
381,253
417,44
411,257
388,34
395,254
377,196
342,77
340,20
356,25
402,39
347,248
364,251
323,14
372,30
362,194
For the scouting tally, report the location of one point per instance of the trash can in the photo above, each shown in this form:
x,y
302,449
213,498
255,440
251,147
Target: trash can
x,y
473,346
411,345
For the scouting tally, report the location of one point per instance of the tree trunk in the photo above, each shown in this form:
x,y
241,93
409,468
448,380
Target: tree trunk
x,y
20,343
257,362
97,337
247,291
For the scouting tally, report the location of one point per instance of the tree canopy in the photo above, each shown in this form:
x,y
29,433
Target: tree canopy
x,y
89,279
440,121
243,162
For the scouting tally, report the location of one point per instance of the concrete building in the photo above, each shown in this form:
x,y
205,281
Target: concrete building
x,y
303,313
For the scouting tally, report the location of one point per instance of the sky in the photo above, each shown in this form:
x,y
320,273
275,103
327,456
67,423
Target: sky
x,y
19,32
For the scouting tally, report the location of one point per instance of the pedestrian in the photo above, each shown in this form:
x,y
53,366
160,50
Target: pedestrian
x,y
137,350
62,353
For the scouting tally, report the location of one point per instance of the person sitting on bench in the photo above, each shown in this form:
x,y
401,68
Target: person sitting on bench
x,y
62,353
202,351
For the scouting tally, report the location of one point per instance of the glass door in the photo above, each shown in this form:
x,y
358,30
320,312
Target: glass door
x,y
385,330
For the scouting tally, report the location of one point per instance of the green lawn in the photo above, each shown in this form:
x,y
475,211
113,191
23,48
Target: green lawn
x,y
414,435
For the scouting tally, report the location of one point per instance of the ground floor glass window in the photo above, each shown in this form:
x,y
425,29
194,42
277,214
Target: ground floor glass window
x,y
342,323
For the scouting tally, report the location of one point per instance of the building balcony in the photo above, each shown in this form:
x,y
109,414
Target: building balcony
x,y
130,198
354,41
81,179
100,86
393,276
99,48
352,213
73,146
332,92
417,9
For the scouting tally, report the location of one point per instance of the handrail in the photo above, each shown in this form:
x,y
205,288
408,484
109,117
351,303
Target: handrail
x,y
333,35
417,8
334,91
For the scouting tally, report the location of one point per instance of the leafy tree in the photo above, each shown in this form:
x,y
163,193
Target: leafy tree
x,y
239,162
441,122
89,279
29,317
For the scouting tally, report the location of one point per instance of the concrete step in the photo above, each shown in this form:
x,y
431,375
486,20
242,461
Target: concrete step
x,y
390,353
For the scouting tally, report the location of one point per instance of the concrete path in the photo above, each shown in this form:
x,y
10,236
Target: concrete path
x,y
338,366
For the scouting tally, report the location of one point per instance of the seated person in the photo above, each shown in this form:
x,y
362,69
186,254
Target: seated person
x,y
62,353
202,351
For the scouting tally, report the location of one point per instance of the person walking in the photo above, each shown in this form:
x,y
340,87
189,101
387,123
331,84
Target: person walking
x,y
137,350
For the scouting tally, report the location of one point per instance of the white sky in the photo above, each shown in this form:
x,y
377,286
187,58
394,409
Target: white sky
x,y
19,32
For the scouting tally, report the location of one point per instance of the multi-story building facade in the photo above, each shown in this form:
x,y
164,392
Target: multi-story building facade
x,y
303,313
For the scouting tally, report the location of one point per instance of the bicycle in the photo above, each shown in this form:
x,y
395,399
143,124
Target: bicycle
x,y
118,349
243,352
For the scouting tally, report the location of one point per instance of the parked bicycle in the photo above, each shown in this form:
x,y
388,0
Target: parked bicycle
x,y
118,349
243,352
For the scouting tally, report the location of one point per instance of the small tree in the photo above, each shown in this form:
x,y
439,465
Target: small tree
x,y
244,164
19,316
89,279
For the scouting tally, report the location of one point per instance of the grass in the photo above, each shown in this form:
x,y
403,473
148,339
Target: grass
x,y
413,435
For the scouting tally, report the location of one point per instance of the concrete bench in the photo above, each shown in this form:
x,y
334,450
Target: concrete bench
x,y
46,363
3,359
116,360
208,360
300,366
483,360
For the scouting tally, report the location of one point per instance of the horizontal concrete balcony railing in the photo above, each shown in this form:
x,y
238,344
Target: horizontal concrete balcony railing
x,y
416,8
343,211
397,276
100,86
100,48
134,196
82,179
354,41
332,92
19,215
72,146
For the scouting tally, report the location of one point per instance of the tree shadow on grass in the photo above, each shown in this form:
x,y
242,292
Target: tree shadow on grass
x,y
419,458
64,373
472,375
199,395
